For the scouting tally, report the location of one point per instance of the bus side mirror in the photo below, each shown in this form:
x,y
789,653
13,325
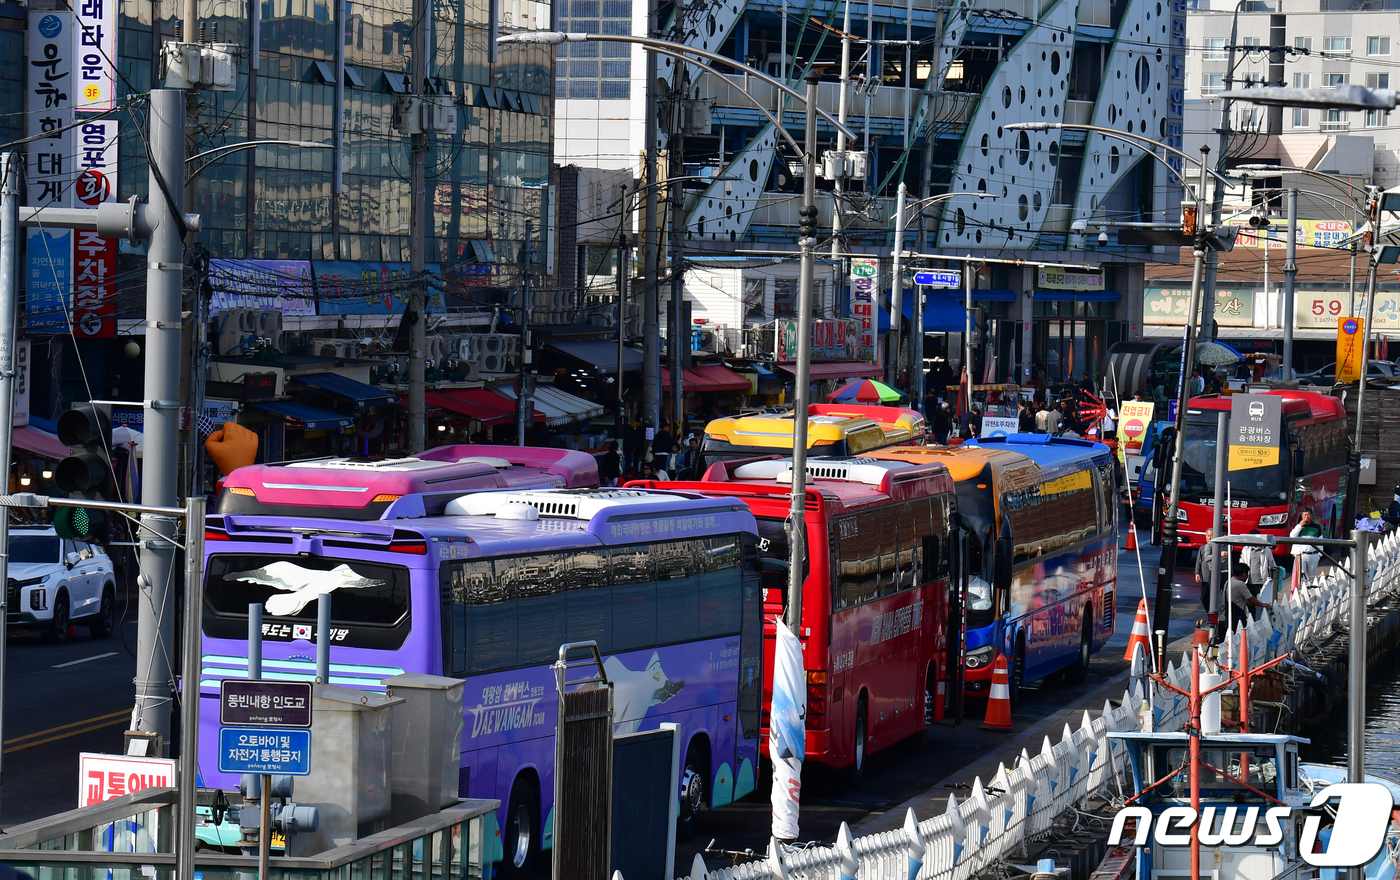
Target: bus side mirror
x,y
1300,461
1163,449
1002,555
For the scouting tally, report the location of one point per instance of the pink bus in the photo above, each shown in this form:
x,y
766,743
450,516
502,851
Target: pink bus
x,y
393,488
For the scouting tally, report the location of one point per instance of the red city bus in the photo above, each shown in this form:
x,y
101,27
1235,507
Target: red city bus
x,y
1311,473
875,610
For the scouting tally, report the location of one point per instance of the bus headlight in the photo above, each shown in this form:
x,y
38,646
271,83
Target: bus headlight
x,y
979,657
1180,515
1273,519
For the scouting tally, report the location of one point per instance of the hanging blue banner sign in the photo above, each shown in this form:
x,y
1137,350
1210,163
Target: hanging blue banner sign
x,y
943,278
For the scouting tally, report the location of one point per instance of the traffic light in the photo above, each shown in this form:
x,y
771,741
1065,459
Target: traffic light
x,y
85,473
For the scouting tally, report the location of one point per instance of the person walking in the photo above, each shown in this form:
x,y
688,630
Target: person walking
x,y
690,459
1261,566
610,466
1027,418
942,424
1306,555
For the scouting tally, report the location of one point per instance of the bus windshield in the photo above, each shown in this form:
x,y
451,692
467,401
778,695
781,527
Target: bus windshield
x,y
369,601
978,511
775,556
1256,486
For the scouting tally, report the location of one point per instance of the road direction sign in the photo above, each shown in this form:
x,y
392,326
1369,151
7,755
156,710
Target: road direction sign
x,y
265,703
941,278
272,751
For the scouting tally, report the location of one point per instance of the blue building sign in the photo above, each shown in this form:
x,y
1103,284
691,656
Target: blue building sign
x,y
942,278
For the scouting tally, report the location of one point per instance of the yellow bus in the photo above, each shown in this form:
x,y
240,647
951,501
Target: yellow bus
x,y
828,436
891,419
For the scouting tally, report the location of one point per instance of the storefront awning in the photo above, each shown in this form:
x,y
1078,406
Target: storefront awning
x,y
362,395
1084,296
943,313
838,370
558,407
706,378
38,442
600,354
307,417
474,403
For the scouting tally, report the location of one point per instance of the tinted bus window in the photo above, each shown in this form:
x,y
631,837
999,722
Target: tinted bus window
x,y
369,601
516,611
1052,515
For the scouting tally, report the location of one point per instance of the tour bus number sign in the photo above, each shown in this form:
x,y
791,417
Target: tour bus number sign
x,y
264,703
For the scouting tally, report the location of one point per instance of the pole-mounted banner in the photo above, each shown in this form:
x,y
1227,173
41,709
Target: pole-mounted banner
x,y
1349,349
1255,425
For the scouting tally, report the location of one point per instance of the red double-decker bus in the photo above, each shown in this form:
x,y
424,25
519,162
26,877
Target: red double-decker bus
x,y
875,609
1311,473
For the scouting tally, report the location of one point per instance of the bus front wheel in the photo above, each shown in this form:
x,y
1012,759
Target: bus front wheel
x,y
522,831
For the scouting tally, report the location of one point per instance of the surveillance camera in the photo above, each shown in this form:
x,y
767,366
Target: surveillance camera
x,y
1103,236
1078,226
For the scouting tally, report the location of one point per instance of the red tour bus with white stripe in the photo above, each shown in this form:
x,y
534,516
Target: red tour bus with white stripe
x,y
875,599
1311,473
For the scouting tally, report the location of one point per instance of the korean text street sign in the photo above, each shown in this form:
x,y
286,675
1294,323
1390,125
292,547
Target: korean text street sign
x,y
265,703
1349,349
943,278
103,777
272,751
1256,421
999,426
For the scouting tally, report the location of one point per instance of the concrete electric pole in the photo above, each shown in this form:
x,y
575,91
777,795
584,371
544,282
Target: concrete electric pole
x,y
416,315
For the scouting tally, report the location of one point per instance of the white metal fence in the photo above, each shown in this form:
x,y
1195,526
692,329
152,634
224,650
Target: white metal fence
x,y
1020,804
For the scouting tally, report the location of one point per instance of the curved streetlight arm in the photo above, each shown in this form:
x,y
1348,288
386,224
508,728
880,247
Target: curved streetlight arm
x,y
675,50
1334,179
922,204
248,145
1140,140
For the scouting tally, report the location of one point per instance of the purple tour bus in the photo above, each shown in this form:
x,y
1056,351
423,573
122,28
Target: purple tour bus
x,y
666,583
390,488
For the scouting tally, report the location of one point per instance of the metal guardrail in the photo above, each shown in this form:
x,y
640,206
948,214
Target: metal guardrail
x,y
449,845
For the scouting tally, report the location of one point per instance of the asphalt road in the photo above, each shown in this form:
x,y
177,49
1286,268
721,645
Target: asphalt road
x,y
61,700
908,770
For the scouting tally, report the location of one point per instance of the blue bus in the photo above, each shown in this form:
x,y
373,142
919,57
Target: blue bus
x,y
1042,518
667,585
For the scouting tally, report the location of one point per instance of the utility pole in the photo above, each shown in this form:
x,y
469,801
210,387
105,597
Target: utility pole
x,y
676,166
839,184
1166,567
807,242
897,259
9,320
416,315
651,244
523,384
624,268
1217,201
1290,275
164,281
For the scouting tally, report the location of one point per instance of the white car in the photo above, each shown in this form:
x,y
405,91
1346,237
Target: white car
x,y
54,582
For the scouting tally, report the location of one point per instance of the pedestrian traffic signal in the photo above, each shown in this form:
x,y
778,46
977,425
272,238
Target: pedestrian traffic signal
x,y
85,473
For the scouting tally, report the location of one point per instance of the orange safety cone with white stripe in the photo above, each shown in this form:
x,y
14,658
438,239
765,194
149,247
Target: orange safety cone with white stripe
x,y
1132,539
1140,634
999,701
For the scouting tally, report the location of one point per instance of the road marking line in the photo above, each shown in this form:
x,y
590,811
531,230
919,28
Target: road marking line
x,y
55,738
122,713
85,660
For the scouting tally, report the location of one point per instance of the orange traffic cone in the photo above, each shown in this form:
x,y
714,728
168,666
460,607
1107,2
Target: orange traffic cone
x,y
1132,539
999,701
1140,634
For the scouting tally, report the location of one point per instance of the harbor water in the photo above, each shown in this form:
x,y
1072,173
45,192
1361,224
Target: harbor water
x,y
1329,739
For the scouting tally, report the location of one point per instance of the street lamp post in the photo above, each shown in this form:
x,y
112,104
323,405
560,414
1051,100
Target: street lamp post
x,y
901,222
1194,224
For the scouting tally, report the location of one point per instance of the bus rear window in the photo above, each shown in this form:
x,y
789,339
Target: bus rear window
x,y
369,601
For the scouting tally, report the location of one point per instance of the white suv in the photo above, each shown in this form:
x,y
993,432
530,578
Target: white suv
x,y
54,582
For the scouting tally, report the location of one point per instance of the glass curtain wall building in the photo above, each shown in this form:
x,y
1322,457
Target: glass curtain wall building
x,y
484,182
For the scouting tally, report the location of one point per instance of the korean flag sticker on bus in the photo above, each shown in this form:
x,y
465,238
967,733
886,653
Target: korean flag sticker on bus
x,y
302,632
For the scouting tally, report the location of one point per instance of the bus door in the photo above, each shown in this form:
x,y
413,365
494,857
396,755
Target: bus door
x,y
956,626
